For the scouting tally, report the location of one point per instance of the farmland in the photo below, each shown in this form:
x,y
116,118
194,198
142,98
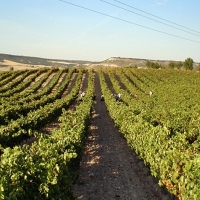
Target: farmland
x,y
44,125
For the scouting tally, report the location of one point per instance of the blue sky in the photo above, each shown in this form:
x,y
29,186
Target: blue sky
x,y
55,29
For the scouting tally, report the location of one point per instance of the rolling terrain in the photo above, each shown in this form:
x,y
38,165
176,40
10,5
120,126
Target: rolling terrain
x,y
16,62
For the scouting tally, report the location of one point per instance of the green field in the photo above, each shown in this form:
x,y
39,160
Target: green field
x,y
163,129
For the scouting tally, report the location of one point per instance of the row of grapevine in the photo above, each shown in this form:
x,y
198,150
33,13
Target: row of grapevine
x,y
9,77
37,117
163,128
47,167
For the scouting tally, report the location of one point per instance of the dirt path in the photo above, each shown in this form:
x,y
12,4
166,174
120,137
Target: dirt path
x,y
109,169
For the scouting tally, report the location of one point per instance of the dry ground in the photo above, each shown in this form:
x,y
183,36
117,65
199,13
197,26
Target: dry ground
x,y
18,66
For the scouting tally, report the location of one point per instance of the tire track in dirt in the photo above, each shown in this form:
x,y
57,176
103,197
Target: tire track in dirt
x,y
109,169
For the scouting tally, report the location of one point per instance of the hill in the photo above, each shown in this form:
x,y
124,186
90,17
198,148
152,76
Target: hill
x,y
26,62
17,62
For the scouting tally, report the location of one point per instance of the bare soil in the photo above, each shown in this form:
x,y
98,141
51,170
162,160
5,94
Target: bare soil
x,y
109,168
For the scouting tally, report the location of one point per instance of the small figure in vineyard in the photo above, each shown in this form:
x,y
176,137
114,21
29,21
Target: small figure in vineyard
x,y
82,95
118,96
150,93
135,96
102,97
94,96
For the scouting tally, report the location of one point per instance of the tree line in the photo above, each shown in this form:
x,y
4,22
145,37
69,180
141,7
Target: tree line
x,y
187,64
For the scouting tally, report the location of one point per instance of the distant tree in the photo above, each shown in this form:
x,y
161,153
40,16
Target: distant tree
x,y
11,68
148,64
153,65
171,65
188,64
157,65
179,65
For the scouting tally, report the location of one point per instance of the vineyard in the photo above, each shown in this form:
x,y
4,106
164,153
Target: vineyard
x,y
44,123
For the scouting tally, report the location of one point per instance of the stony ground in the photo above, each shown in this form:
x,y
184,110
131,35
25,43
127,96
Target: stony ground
x,y
109,169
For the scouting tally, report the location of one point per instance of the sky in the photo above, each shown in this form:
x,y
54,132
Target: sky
x,y
96,30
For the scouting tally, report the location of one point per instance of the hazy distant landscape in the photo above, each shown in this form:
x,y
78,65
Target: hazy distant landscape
x,y
26,62
17,62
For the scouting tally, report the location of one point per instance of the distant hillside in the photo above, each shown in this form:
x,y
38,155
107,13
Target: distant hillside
x,y
38,61
24,59
132,62
26,62
137,62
